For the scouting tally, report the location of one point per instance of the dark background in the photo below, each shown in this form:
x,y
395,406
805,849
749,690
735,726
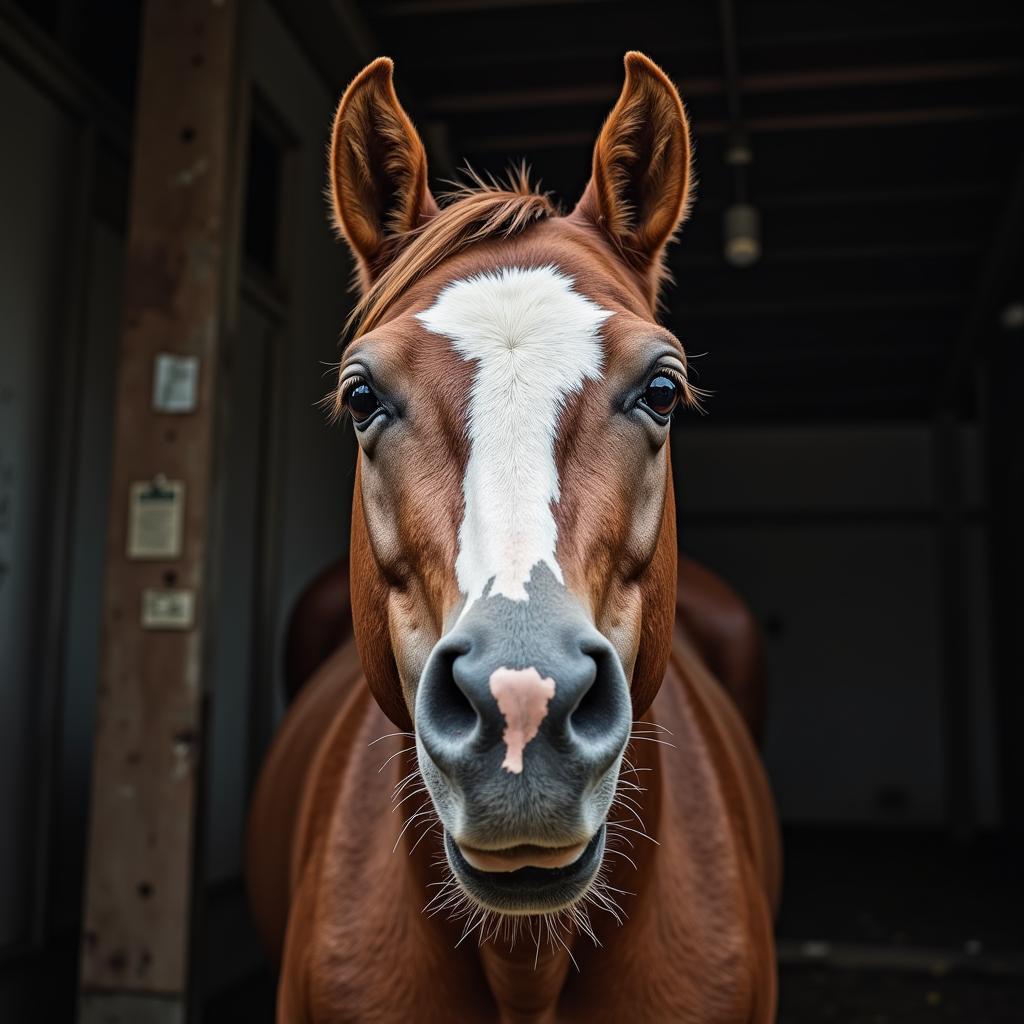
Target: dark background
x,y
857,476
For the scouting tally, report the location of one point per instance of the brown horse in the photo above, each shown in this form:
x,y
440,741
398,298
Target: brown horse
x,y
579,828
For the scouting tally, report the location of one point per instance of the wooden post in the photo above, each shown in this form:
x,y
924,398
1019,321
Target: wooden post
x,y
142,835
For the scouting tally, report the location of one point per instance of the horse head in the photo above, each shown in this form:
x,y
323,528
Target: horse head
x,y
513,560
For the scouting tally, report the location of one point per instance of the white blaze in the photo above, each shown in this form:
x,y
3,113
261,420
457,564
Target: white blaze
x,y
535,341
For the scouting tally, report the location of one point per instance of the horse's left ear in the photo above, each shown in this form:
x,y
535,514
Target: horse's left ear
x,y
377,171
640,186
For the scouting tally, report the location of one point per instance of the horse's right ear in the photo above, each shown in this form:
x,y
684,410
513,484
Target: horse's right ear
x,y
640,186
378,170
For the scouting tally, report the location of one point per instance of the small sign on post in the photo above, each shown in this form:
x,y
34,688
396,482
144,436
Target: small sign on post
x,y
155,518
168,609
175,383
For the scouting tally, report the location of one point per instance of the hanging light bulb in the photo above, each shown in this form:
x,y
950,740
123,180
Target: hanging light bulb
x,y
741,226
742,233
1012,316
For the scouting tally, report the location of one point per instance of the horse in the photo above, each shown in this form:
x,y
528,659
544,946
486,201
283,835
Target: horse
x,y
579,827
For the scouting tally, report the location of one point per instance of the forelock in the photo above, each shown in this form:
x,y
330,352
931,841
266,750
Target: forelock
x,y
480,211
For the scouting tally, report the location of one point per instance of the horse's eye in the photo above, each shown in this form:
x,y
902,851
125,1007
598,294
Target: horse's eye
x,y
661,395
362,402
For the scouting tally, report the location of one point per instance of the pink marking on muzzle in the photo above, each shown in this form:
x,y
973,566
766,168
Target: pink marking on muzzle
x,y
522,697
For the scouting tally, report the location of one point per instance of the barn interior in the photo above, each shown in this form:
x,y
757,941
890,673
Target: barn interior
x,y
849,288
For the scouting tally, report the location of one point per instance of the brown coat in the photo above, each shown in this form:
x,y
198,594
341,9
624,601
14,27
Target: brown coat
x,y
326,888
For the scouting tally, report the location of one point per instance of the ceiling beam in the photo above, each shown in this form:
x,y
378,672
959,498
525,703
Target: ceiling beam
x,y
950,114
825,346
812,305
515,143
902,195
811,79
691,260
560,51
420,8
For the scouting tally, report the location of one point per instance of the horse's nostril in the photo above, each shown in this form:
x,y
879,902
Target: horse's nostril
x,y
599,704
450,710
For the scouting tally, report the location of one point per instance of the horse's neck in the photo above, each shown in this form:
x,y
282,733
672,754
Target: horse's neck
x,y
676,889
525,982
527,976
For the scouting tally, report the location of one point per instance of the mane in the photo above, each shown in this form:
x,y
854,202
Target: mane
x,y
479,210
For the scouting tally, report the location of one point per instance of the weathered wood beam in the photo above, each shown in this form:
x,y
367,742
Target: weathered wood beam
x,y
919,192
417,8
954,114
831,253
558,50
139,887
812,305
804,80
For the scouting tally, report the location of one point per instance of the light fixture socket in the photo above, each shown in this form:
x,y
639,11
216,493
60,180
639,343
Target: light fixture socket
x,y
738,152
742,232
1012,316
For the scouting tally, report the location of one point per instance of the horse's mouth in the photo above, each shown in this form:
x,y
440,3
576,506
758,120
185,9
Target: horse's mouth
x,y
512,858
527,879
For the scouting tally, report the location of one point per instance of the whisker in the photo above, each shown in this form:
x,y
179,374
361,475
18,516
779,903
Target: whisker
x,y
391,735
397,753
635,814
625,839
412,792
622,853
657,726
553,932
414,774
470,930
632,785
622,825
418,814
425,829
653,739
629,801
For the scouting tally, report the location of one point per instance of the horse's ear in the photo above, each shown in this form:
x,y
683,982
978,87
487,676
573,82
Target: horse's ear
x,y
378,170
640,186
